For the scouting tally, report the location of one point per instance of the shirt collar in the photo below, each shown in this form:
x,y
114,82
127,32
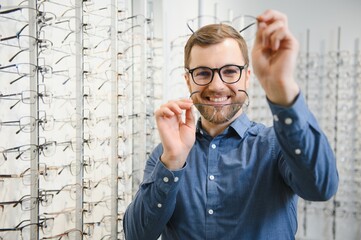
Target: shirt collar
x,y
240,126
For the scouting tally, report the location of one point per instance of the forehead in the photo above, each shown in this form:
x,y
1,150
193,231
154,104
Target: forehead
x,y
217,55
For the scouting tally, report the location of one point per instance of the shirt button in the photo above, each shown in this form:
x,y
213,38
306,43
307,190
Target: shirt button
x,y
275,118
210,211
176,179
288,121
211,177
165,179
159,205
298,151
214,146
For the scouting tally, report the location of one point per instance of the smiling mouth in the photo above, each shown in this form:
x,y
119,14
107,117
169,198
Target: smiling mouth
x,y
217,100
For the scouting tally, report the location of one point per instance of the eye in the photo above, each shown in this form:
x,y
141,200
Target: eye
x,y
231,70
202,73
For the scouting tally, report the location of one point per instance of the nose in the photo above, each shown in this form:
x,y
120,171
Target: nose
x,y
216,83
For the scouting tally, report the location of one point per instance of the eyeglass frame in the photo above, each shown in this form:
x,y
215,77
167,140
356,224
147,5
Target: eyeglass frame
x,y
44,198
241,68
41,224
225,22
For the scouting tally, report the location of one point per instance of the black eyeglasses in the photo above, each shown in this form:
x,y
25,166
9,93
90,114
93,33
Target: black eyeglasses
x,y
229,74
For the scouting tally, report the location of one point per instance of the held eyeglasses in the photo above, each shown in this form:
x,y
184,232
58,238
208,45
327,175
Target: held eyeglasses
x,y
246,25
224,108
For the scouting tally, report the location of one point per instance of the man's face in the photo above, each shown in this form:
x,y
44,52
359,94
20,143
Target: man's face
x,y
219,98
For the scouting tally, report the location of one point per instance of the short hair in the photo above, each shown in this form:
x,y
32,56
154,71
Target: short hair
x,y
213,34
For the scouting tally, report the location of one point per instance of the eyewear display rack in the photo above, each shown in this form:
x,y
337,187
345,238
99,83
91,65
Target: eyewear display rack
x,y
331,82
79,82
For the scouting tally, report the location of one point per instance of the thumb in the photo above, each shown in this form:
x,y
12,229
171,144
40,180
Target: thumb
x,y
259,35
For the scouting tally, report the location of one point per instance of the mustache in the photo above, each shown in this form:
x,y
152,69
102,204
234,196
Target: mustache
x,y
239,90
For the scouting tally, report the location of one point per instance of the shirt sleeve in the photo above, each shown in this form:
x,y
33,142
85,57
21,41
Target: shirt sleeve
x,y
306,161
154,203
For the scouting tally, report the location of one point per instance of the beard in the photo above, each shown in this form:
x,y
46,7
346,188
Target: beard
x,y
218,114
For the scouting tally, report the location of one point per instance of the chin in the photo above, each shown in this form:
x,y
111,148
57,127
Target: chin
x,y
220,114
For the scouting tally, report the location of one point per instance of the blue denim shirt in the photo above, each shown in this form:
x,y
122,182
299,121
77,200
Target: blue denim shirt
x,y
242,184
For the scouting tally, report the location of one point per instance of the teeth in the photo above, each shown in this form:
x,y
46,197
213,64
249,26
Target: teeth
x,y
218,99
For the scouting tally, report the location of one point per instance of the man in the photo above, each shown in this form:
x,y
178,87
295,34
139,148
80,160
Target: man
x,y
228,177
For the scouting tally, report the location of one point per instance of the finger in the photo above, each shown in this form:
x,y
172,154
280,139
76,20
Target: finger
x,y
186,100
260,27
180,105
163,112
173,108
260,40
270,16
276,38
189,118
269,30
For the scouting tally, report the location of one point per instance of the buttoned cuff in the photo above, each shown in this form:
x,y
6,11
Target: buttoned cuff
x,y
165,179
292,119
166,182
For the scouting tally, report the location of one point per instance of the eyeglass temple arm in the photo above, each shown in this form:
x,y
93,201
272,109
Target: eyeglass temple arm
x,y
245,28
10,10
190,96
17,35
190,28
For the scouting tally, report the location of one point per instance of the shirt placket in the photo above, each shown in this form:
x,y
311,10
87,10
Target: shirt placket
x,y
212,198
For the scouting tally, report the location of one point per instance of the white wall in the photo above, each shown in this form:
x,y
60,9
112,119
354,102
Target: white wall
x,y
321,17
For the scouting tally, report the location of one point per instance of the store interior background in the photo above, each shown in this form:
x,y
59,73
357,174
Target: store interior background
x,y
117,71
329,75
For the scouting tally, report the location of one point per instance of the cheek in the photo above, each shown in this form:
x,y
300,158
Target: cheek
x,y
196,91
192,87
243,83
236,88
